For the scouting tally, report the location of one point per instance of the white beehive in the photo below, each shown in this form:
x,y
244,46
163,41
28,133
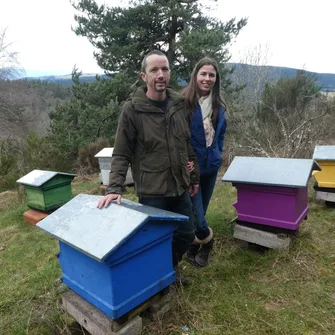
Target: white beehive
x,y
105,163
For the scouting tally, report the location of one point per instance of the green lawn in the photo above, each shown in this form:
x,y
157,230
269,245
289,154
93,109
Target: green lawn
x,y
241,292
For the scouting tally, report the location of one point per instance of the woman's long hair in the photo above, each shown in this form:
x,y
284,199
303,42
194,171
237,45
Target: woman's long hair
x,y
190,92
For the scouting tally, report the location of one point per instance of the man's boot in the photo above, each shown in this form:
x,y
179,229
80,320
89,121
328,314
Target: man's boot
x,y
192,251
180,280
176,258
201,258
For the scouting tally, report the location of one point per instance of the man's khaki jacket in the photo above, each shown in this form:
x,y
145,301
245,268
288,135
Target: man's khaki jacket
x,y
156,144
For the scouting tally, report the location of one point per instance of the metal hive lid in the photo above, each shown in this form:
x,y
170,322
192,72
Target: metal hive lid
x,y
106,152
324,153
98,232
39,177
270,171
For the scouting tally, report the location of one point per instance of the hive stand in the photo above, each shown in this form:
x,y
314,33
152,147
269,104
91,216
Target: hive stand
x,y
98,323
272,198
326,194
247,235
34,216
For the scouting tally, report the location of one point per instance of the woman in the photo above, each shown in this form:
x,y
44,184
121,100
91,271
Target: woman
x,y
205,110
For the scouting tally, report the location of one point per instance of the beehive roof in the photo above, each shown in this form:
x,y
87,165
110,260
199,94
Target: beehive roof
x,y
98,232
324,153
106,152
39,177
270,171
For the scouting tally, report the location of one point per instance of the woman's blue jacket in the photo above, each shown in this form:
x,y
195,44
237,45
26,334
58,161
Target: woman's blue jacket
x,y
209,159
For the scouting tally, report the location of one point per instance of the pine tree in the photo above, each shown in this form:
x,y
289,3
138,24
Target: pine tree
x,y
180,28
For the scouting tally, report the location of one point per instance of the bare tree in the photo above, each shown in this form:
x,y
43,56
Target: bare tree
x,y
11,107
252,72
10,67
284,118
290,132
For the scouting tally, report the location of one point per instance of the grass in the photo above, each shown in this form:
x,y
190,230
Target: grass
x,y
242,291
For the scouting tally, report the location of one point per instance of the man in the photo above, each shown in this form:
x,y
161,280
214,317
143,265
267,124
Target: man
x,y
153,137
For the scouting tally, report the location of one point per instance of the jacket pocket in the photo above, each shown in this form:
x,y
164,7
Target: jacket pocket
x,y
185,174
180,129
153,175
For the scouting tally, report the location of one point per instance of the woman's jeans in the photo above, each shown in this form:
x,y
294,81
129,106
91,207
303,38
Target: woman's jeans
x,y
200,204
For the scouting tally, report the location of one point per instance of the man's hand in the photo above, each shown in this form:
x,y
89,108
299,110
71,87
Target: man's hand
x,y
190,166
107,199
193,189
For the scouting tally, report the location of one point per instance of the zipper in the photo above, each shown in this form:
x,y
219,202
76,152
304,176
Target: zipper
x,y
167,139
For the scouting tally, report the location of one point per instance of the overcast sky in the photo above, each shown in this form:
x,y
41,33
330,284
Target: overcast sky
x,y
297,33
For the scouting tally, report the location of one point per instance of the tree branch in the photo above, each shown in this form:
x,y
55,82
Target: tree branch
x,y
309,120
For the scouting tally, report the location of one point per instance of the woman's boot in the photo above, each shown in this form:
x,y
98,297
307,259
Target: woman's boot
x,y
201,258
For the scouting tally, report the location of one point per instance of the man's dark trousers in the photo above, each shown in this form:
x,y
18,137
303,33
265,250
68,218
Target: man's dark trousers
x,y
185,233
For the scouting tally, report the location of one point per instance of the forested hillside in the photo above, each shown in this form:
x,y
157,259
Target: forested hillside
x,y
325,80
25,106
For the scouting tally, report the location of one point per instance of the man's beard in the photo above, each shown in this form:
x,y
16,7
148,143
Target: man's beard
x,y
161,88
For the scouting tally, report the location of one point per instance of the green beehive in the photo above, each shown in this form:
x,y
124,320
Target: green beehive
x,y
47,190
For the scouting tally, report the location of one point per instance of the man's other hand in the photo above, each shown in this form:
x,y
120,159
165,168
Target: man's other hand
x,y
107,199
193,189
190,166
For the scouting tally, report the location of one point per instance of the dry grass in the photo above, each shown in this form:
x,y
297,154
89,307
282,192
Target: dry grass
x,y
8,200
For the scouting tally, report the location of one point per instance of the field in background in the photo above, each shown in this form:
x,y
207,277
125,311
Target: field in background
x,y
241,292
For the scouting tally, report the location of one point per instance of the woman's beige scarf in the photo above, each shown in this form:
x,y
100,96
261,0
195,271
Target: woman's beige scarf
x,y
207,111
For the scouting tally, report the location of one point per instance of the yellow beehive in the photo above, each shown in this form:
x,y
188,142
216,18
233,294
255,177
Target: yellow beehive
x,y
325,156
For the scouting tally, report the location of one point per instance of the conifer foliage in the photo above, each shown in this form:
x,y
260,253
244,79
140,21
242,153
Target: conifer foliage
x,y
183,29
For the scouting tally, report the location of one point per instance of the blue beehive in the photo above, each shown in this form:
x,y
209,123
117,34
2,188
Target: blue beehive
x,y
115,257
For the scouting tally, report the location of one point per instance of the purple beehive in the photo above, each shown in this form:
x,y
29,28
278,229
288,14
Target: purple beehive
x,y
271,191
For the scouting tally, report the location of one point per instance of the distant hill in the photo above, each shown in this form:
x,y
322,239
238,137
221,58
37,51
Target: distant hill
x,y
66,80
325,80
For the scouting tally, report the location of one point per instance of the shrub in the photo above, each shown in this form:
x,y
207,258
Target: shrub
x,y
87,162
20,156
8,167
289,120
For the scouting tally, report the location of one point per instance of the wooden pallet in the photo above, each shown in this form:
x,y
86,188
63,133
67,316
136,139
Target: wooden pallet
x,y
98,323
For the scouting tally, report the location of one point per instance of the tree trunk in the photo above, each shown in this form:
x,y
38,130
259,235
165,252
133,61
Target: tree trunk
x,y
172,40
